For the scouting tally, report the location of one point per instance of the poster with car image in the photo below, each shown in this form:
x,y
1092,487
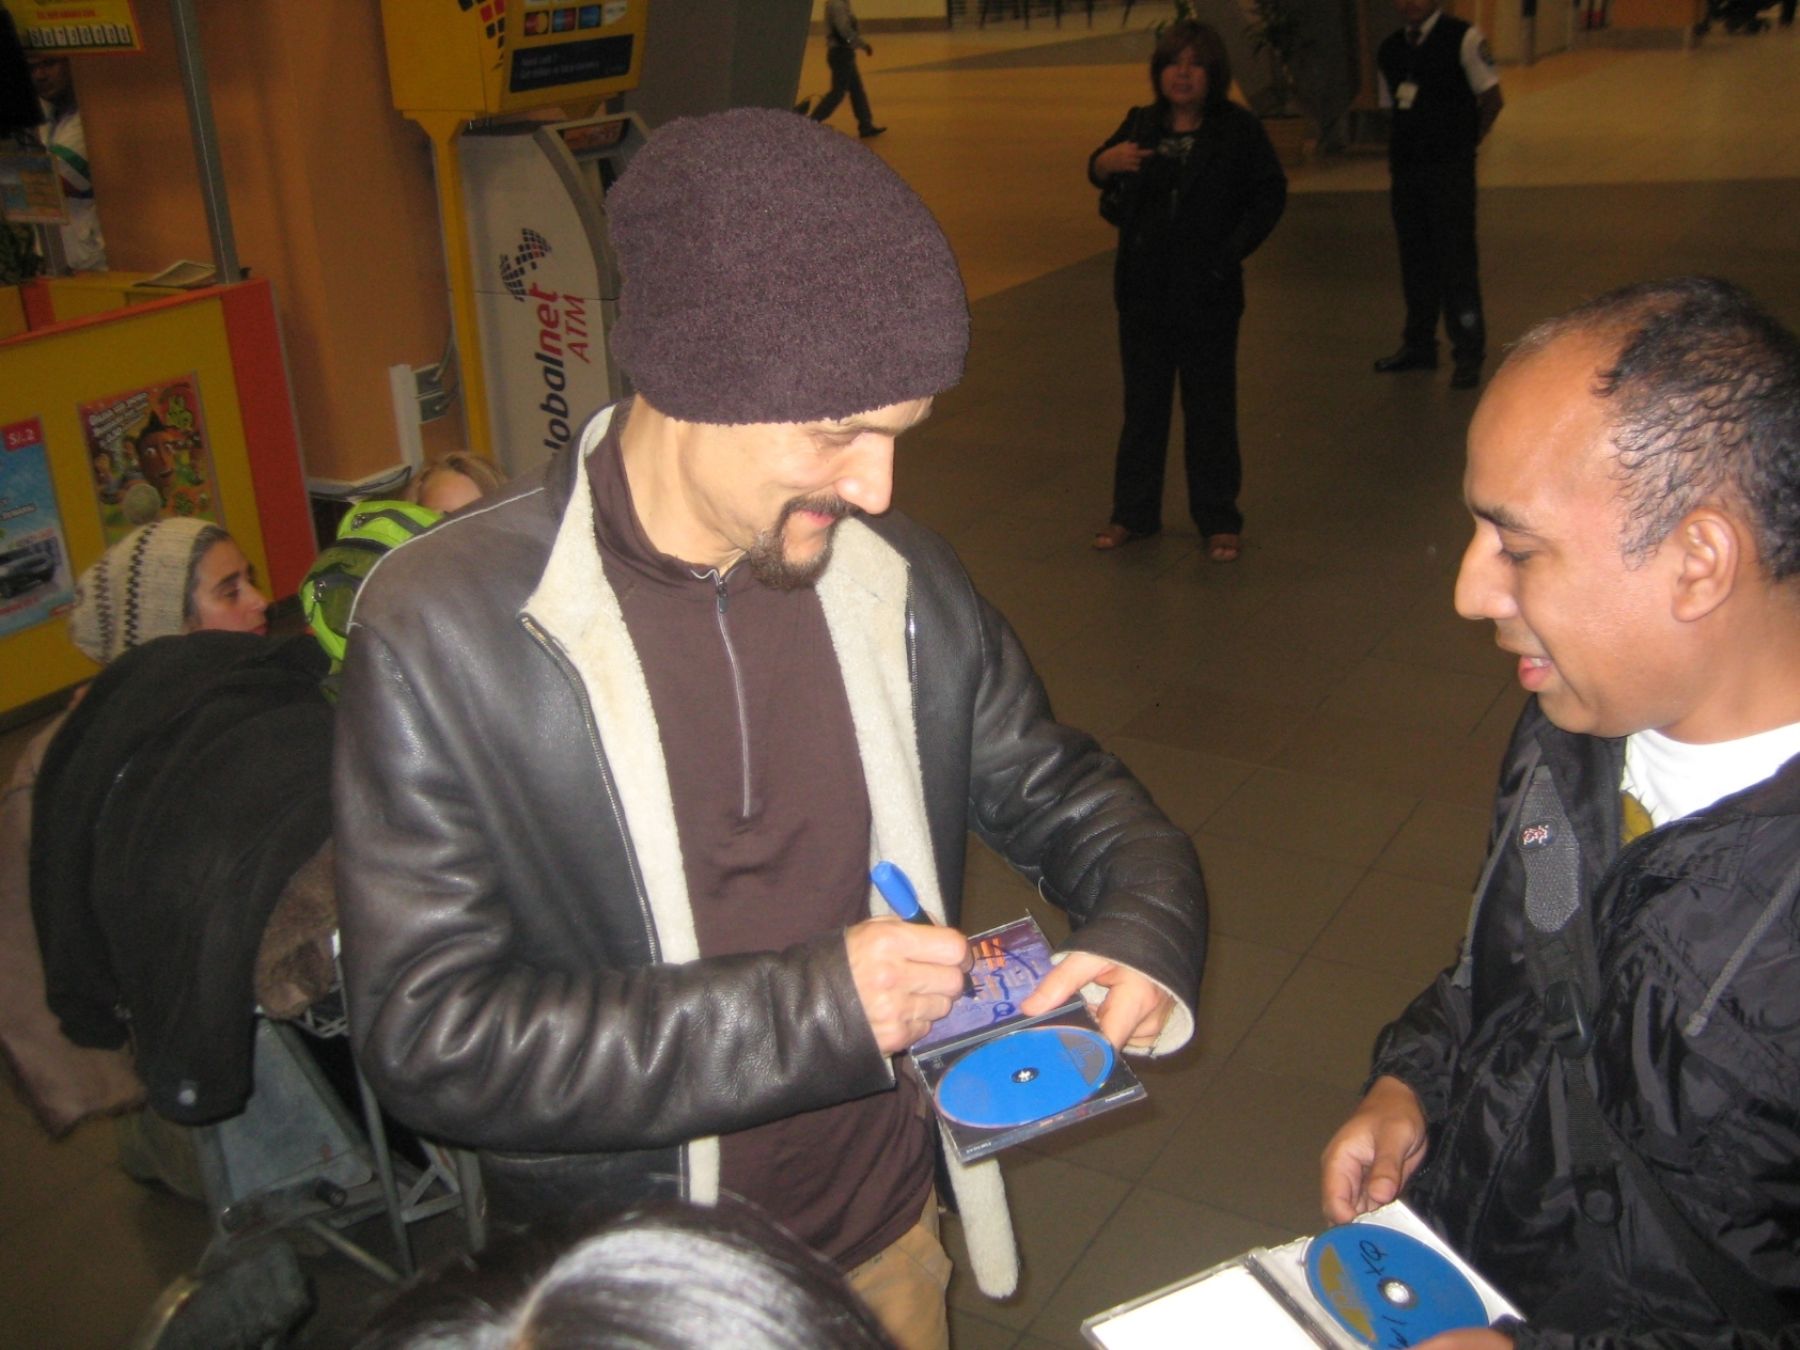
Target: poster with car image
x,y
150,457
35,579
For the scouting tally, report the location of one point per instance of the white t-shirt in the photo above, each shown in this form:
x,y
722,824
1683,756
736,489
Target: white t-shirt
x,y
1674,779
1477,62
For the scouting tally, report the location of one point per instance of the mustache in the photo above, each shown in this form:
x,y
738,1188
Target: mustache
x,y
825,504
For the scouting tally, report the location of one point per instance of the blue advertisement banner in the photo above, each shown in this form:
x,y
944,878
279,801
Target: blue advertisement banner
x,y
35,577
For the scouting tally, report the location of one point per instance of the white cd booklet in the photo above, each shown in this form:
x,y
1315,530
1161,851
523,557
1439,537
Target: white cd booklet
x,y
1262,1300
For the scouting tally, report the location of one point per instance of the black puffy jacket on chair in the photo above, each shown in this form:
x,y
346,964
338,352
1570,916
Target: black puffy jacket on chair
x,y
173,806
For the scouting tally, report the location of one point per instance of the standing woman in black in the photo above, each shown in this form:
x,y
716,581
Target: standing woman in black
x,y
1194,186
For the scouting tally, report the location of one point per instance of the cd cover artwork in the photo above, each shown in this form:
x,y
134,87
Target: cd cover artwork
x,y
997,1077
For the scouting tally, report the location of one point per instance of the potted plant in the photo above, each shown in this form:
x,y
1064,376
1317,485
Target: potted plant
x,y
1277,29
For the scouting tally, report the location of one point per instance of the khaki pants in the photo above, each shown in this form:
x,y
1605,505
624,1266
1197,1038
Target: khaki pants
x,y
904,1285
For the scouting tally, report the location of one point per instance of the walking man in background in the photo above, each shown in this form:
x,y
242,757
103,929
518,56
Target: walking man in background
x,y
843,38
1438,78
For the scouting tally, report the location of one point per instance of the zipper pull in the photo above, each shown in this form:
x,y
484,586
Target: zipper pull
x,y
720,594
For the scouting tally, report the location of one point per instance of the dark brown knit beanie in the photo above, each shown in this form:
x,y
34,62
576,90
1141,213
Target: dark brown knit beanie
x,y
775,270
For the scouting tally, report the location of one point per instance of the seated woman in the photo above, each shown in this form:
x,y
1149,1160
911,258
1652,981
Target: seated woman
x,y
453,481
204,763
165,578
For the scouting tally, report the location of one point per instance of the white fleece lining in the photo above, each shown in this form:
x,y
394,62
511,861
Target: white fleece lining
x,y
863,594
576,606
986,1221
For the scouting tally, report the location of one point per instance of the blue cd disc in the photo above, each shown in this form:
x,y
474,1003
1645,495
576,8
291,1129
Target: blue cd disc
x,y
1024,1075
1388,1289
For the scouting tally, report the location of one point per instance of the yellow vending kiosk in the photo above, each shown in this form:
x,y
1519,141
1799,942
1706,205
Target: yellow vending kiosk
x,y
532,278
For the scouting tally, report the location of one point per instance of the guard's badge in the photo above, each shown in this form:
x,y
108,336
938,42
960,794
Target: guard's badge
x,y
1536,836
1486,53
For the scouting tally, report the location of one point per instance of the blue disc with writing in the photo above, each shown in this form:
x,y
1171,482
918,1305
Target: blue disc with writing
x,y
1025,1075
1387,1288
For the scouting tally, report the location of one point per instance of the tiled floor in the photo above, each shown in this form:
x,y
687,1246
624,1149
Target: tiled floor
x,y
1316,715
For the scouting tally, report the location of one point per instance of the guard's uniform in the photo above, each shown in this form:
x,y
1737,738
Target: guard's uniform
x,y
1433,84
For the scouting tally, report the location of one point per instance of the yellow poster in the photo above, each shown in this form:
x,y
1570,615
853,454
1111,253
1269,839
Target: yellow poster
x,y
77,25
150,457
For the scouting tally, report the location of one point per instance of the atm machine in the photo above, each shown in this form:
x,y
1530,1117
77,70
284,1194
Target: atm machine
x,y
521,198
546,283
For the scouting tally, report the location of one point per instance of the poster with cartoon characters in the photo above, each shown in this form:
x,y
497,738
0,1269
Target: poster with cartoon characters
x,y
35,581
149,456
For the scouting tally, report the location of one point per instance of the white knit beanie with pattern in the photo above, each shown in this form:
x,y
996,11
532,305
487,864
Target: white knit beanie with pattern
x,y
138,589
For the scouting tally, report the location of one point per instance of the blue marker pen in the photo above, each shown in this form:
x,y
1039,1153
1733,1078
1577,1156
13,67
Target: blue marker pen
x,y
897,889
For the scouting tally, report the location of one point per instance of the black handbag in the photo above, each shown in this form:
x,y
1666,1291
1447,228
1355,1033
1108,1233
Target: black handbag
x,y
1118,196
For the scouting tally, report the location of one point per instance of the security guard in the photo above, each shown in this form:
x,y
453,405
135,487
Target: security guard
x,y
1437,75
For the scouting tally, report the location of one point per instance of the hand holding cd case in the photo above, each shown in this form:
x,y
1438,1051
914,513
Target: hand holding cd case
x,y
997,1077
1381,1282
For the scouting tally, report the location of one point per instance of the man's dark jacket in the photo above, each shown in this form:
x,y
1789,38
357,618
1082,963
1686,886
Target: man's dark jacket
x,y
1443,125
518,946
1696,1051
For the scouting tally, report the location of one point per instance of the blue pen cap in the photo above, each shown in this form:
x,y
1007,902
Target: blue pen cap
x,y
897,889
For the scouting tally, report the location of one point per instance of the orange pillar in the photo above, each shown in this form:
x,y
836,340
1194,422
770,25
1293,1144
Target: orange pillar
x,y
331,196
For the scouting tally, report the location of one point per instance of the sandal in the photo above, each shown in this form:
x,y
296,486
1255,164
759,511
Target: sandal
x,y
1117,536
1223,548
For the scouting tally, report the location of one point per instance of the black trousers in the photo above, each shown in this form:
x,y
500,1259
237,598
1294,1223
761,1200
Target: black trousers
x,y
1434,220
845,79
1199,352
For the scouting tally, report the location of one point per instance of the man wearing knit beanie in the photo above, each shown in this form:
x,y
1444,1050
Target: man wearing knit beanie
x,y
618,747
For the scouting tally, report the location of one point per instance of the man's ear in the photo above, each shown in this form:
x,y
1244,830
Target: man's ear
x,y
1713,549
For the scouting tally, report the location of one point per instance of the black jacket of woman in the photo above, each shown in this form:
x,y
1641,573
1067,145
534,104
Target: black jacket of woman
x,y
1185,227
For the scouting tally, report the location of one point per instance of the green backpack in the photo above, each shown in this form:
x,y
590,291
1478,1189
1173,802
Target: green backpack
x,y
367,531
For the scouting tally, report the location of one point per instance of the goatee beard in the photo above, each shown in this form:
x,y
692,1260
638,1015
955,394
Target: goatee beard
x,y
767,554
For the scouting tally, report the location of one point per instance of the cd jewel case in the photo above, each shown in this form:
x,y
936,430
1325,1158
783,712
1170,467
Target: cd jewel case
x,y
1383,1281
997,1077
